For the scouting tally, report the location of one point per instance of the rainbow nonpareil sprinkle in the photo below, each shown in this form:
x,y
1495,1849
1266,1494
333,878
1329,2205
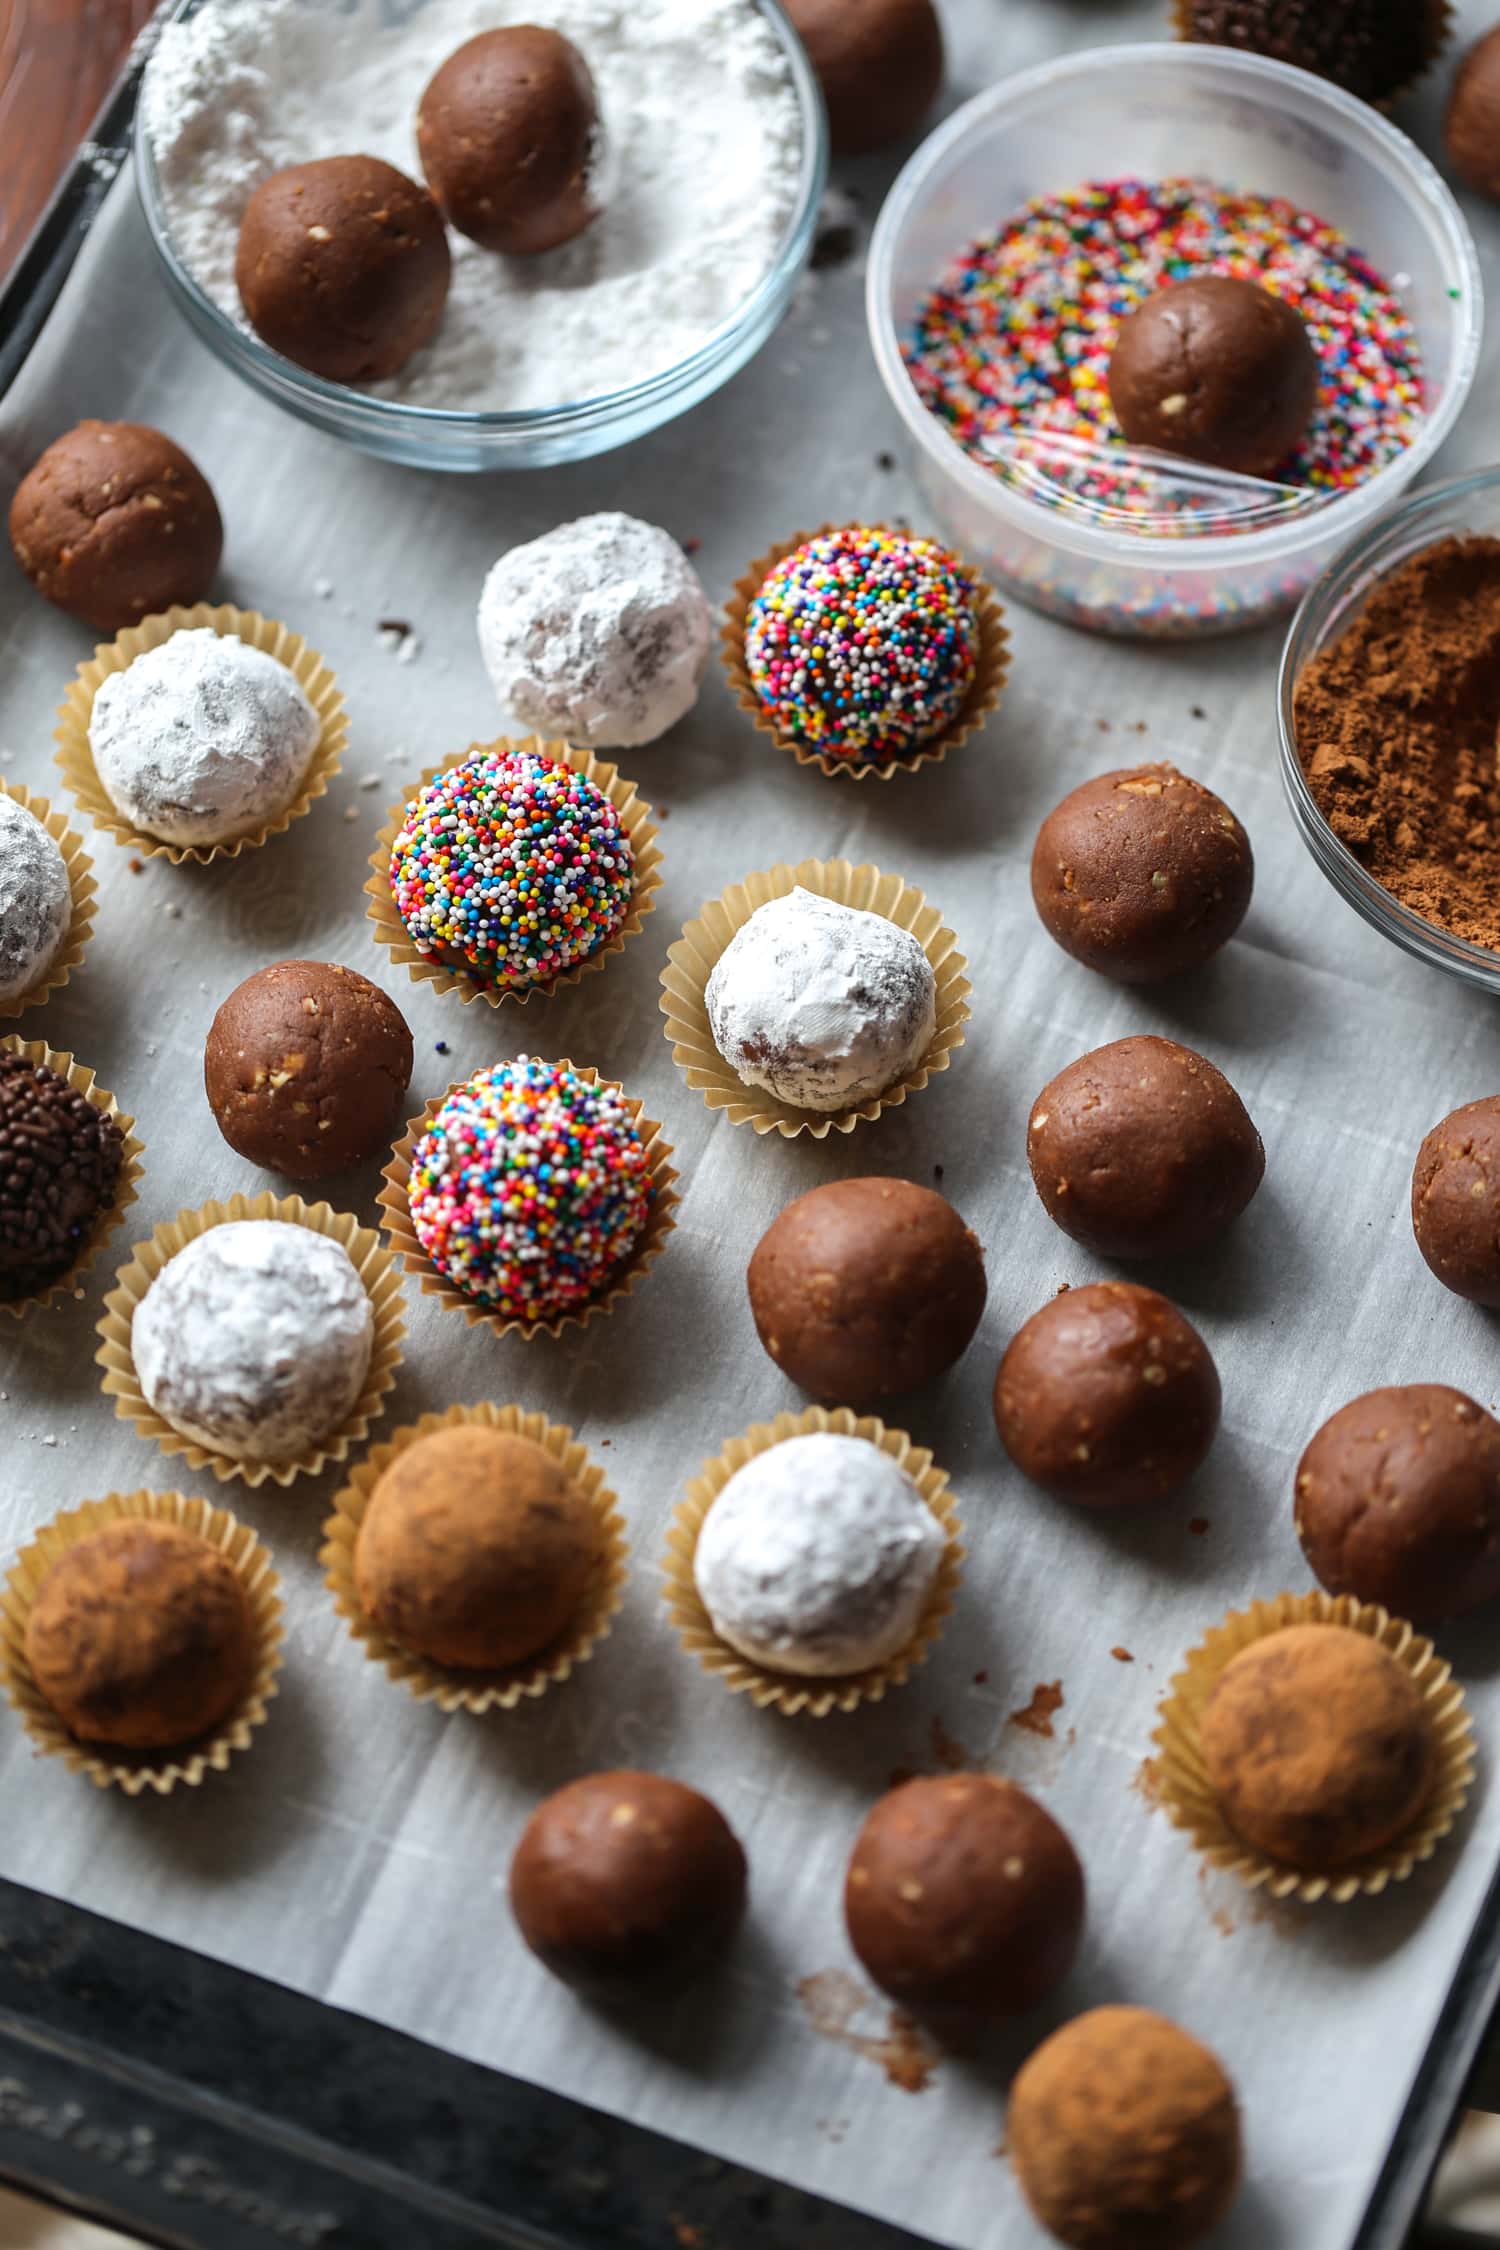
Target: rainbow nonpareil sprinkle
x,y
511,867
1017,336
863,644
529,1188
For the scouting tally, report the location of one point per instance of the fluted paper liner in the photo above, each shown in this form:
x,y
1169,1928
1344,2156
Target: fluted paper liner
x,y
635,819
82,890
796,1694
109,1765
371,1261
660,1221
126,1182
451,1687
988,685
75,758
1187,1797
691,962
1439,15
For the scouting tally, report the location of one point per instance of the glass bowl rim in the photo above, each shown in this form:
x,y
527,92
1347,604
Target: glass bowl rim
x,y
1411,169
516,422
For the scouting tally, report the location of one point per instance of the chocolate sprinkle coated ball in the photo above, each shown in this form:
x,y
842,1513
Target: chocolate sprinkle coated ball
x,y
627,1884
530,1188
863,644
1455,1201
1124,2133
964,1898
1373,48
512,868
60,1159
1398,1502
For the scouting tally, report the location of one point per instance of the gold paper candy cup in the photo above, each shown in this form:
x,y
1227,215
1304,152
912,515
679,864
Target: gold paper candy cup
x,y
36,1051
789,1693
451,1688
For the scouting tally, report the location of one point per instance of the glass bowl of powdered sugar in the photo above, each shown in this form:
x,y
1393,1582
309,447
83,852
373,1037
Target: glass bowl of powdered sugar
x,y
714,158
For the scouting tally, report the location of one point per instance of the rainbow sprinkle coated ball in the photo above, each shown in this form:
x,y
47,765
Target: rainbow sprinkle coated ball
x,y
529,1188
511,867
863,644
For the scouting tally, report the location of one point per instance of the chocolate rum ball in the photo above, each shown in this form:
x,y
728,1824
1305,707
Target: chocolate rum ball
x,y
306,1068
879,63
1455,1201
114,522
508,134
1471,128
1216,371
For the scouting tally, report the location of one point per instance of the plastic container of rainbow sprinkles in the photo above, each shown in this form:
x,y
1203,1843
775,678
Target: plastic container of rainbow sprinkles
x,y
1043,210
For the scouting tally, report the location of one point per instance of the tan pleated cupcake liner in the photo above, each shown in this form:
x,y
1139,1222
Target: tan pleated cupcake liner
x,y
660,1222
82,889
75,758
126,1184
108,1765
635,819
1188,1798
1439,18
451,1688
691,962
986,689
795,1694
371,1261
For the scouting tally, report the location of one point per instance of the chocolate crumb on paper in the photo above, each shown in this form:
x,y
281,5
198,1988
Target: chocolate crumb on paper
x,y
833,2002
1036,1716
1122,1656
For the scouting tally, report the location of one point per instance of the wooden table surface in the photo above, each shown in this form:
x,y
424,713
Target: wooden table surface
x,y
58,60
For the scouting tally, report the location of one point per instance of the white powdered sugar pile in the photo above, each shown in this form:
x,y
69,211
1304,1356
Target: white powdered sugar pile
x,y
703,138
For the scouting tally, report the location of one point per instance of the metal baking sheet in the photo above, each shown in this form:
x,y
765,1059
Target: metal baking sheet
x,y
360,1853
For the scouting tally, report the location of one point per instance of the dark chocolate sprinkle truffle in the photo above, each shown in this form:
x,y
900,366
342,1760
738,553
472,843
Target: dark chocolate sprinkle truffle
x,y
60,1159
1471,129
1373,48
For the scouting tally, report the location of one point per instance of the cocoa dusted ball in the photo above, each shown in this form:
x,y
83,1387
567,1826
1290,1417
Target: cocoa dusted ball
x,y
1218,371
1471,128
114,522
879,63
508,133
1398,1502
343,267
1141,874
1455,1201
141,1634
866,1287
628,1884
305,1068
964,1897
1107,1397
1124,2132
476,1548
1143,1149
1317,1745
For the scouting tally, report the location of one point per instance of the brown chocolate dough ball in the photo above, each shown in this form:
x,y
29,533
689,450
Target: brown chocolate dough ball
x,y
1143,1149
476,1548
114,523
1471,128
866,1287
1124,2133
1141,874
508,134
879,63
141,1634
627,1884
1107,1397
1317,1745
305,1068
1455,1201
343,267
964,1897
1218,371
1397,1501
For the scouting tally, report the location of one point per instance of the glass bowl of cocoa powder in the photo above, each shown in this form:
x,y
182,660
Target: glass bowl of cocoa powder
x,y
1390,726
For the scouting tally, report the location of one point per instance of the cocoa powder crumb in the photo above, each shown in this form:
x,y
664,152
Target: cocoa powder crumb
x,y
1397,725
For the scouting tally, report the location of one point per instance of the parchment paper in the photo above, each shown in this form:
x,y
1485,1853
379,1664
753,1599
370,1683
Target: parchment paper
x,y
360,1852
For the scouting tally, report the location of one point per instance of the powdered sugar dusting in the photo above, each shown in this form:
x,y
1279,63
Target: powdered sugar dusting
x,y
703,133
36,904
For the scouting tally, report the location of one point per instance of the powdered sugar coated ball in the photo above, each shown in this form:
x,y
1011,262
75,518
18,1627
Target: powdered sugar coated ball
x,y
597,633
818,1557
202,739
255,1339
823,1005
36,904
